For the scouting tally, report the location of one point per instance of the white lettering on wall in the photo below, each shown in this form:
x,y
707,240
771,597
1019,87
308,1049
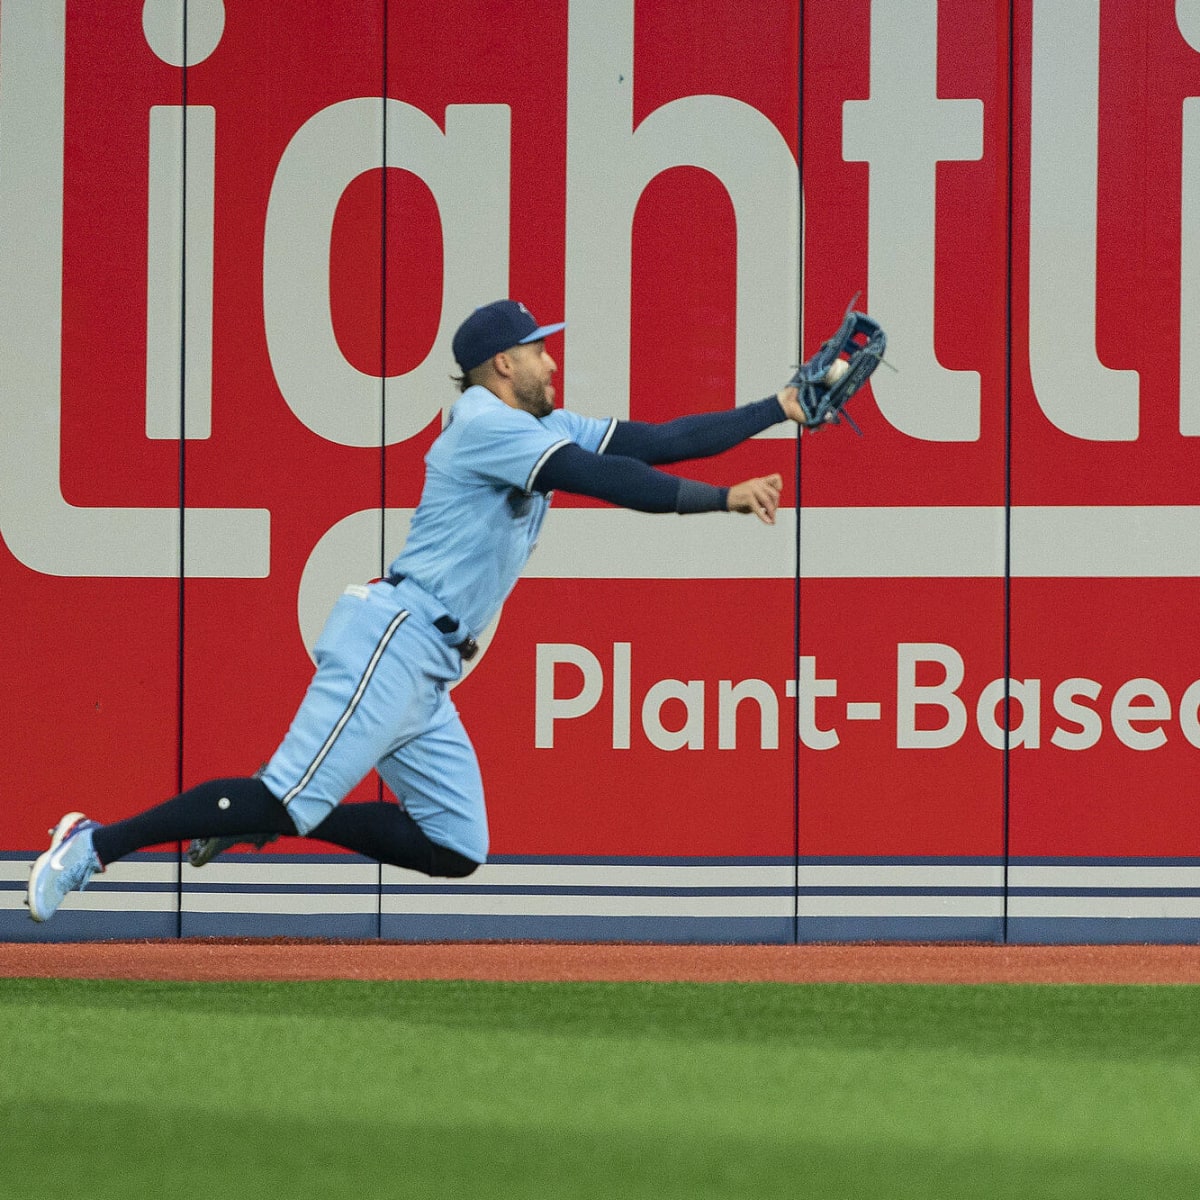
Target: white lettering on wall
x,y
610,164
180,299
950,712
40,527
904,131
179,242
1078,393
1067,704
1025,694
467,170
933,714
550,705
1187,18
808,689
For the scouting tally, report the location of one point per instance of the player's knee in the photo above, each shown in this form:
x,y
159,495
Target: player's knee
x,y
450,864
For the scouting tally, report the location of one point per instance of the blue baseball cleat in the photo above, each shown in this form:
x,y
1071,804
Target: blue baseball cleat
x,y
66,867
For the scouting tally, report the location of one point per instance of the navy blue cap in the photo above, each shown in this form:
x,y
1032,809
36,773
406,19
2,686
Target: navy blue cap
x,y
495,327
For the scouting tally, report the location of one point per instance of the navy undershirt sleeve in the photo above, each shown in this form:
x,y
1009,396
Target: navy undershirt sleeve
x,y
626,481
699,435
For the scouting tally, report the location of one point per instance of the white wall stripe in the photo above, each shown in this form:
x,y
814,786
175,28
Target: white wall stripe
x,y
602,875
902,875
900,906
302,903
264,871
827,890
588,906
1172,907
851,543
1067,877
16,870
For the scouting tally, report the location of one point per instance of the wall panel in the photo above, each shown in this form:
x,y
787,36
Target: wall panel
x,y
89,507
901,599
1103,475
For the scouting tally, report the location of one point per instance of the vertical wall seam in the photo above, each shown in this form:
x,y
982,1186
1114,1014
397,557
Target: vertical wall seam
x,y
181,591
1006,771
795,725
383,324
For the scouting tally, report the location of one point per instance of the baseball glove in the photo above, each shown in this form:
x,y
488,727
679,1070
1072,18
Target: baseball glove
x,y
843,364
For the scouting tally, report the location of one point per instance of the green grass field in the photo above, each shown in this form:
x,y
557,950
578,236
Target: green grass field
x,y
442,1089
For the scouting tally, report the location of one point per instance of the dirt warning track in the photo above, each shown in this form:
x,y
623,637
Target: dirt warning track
x,y
213,960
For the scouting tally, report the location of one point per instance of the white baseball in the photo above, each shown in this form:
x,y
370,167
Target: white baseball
x,y
837,369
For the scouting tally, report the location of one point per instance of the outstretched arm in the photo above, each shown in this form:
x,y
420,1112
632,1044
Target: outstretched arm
x,y
701,435
631,483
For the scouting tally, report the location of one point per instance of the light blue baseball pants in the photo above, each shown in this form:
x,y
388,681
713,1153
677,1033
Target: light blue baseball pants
x,y
380,699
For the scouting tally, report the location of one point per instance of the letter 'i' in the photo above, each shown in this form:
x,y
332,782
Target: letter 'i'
x,y
179,260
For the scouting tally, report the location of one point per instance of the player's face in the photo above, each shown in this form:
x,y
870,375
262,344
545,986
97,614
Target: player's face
x,y
533,368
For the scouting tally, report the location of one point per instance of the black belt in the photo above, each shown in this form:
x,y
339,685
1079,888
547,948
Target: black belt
x,y
468,647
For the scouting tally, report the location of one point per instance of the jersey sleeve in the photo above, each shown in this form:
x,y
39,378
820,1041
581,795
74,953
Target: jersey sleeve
x,y
628,482
588,433
699,435
509,446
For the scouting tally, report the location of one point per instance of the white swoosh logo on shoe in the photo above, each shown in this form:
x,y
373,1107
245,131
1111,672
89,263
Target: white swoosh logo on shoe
x,y
56,859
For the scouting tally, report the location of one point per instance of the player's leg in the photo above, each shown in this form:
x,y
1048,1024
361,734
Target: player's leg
x,y
348,655
385,690
79,847
381,679
366,690
378,829
382,830
442,830
220,807
437,776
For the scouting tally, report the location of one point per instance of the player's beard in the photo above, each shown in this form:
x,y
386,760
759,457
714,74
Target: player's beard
x,y
534,397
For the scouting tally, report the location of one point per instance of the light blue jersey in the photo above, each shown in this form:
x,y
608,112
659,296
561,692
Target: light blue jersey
x,y
380,696
479,517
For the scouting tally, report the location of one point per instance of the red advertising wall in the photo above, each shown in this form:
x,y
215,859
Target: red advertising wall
x,y
1103,463
950,694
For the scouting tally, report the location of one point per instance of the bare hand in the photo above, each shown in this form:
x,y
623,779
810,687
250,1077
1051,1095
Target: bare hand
x,y
757,496
789,400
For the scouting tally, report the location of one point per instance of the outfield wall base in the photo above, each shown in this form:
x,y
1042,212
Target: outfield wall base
x,y
668,900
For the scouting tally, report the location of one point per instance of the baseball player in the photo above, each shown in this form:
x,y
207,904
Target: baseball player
x,y
390,650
